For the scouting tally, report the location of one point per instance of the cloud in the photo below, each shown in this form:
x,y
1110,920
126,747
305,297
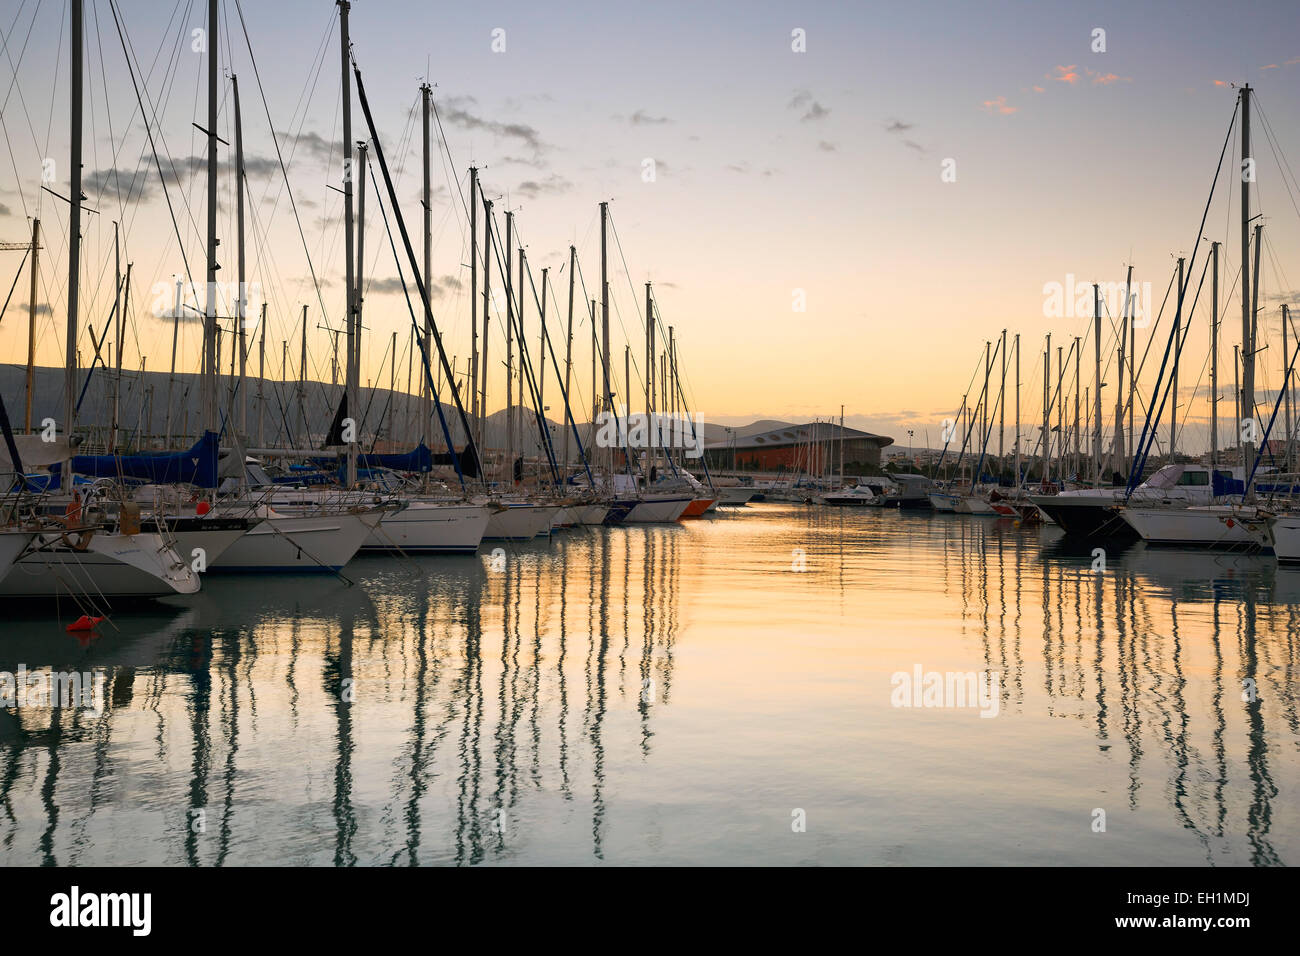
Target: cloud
x,y
392,285
1271,66
1039,89
815,112
521,161
826,147
1105,79
916,146
1292,62
313,144
812,110
42,308
998,105
140,183
1222,83
642,118
1066,74
898,126
741,167
552,185
454,112
5,210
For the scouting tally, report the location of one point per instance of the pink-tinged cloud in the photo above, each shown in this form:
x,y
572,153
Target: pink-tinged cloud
x,y
1293,61
998,105
1067,74
1106,79
1271,66
1221,83
1038,89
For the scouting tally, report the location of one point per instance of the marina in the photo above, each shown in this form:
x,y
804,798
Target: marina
x,y
431,444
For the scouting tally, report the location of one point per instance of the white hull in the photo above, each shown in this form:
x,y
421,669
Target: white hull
x,y
734,497
299,544
430,526
113,565
658,510
519,522
12,544
971,505
1284,530
944,502
213,543
1215,526
592,514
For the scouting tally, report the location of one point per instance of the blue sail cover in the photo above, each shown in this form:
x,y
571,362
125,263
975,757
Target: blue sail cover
x,y
418,459
197,466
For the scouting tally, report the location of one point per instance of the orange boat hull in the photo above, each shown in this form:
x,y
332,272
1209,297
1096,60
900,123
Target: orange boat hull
x,y
697,507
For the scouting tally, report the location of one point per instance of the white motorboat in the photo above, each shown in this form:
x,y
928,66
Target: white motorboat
x,y
1224,526
856,497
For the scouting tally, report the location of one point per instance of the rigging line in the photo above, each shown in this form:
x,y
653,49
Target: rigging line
x,y
1136,471
239,7
4,46
1277,154
524,363
18,275
470,446
162,179
12,85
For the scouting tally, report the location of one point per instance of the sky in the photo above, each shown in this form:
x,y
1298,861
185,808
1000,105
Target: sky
x,y
847,200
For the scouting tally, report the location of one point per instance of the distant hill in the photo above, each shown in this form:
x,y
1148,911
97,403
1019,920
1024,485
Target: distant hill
x,y
388,416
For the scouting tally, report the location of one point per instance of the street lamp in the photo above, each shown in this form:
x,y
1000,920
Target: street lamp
x,y
909,444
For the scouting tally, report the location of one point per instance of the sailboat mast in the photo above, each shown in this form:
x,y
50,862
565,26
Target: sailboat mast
x,y
568,351
1214,359
487,301
261,381
426,404
209,389
604,314
473,298
1096,392
508,279
1002,409
354,400
1178,331
74,238
351,371
1247,400
1286,395
1016,424
649,365
117,338
302,381
241,298
1047,410
31,325
541,375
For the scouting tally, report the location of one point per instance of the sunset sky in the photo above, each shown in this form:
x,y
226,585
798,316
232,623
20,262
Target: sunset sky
x,y
776,172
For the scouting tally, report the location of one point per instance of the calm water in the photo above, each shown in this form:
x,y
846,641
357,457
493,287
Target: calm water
x,y
676,695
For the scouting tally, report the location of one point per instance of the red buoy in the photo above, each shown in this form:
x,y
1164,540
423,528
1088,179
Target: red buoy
x,y
202,508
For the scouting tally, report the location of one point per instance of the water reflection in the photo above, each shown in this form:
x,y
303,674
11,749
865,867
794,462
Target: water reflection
x,y
645,694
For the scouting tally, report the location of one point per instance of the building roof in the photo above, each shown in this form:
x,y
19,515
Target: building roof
x,y
797,435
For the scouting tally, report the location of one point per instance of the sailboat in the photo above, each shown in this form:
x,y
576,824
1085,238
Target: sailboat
x,y
1227,520
97,553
